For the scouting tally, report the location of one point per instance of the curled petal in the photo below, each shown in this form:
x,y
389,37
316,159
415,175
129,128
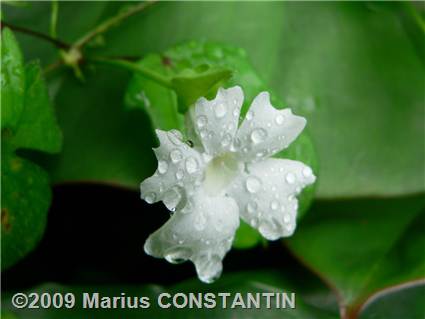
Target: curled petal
x,y
266,130
180,169
216,121
202,232
266,195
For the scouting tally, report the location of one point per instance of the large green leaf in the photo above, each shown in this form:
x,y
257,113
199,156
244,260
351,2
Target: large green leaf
x,y
399,302
27,123
238,283
349,68
362,246
25,199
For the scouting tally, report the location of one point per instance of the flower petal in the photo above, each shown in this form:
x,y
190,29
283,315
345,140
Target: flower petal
x,y
216,121
266,195
202,232
179,171
266,130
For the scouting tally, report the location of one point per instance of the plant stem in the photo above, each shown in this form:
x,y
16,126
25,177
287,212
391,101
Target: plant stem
x,y
106,25
55,42
134,68
54,18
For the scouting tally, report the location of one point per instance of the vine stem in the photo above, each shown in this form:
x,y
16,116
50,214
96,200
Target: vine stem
x,y
134,68
54,18
106,25
58,43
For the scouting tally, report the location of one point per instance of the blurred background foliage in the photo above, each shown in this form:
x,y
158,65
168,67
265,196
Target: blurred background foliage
x,y
354,70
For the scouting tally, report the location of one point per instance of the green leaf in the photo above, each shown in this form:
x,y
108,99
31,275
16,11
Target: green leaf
x,y
192,85
29,124
37,128
352,71
25,192
243,283
159,102
104,142
363,246
12,80
399,302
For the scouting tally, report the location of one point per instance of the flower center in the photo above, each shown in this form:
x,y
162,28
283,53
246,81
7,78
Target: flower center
x,y
220,172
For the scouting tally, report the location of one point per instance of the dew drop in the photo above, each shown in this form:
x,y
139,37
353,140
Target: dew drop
x,y
274,204
203,133
150,198
251,207
286,218
307,172
253,184
249,116
220,110
253,222
258,135
227,139
162,167
176,156
191,165
279,119
179,174
290,178
235,111
201,121
177,255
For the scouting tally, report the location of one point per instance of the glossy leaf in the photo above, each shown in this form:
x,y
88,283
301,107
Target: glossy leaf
x,y
26,197
37,128
193,84
349,68
29,123
12,80
362,246
399,302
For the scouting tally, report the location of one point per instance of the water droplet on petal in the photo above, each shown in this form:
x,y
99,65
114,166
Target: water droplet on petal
x,y
227,139
177,255
179,174
290,178
201,121
150,198
191,165
251,207
307,171
249,116
203,133
286,218
176,156
220,110
279,119
253,222
258,135
253,184
274,204
162,167
235,111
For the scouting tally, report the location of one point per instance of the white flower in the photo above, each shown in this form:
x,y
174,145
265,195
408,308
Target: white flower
x,y
227,174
